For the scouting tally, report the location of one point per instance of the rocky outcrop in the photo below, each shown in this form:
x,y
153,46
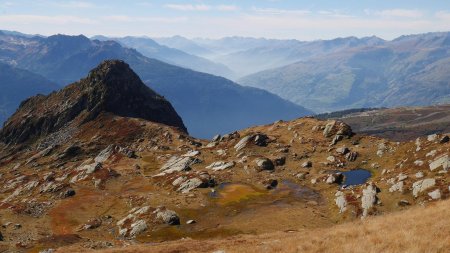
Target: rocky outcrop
x,y
423,185
442,162
112,87
264,164
177,164
369,198
257,139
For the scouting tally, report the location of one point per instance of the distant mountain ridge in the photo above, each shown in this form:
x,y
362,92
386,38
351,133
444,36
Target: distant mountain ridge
x,y
18,84
152,49
208,104
112,87
408,71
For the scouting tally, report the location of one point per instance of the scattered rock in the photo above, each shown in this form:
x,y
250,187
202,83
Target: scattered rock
x,y
436,194
442,161
403,202
264,164
342,150
221,165
307,164
167,216
423,185
351,156
192,153
258,139
444,139
191,222
397,187
138,227
68,193
191,184
177,164
331,159
335,178
418,162
369,198
280,161
216,138
419,174
340,201
270,184
432,137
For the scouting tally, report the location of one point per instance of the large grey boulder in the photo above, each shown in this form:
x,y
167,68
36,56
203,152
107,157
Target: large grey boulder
x,y
340,201
423,185
177,164
369,198
264,164
440,162
220,165
167,216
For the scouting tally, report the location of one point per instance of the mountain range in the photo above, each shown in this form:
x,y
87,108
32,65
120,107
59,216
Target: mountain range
x,y
407,71
152,49
208,104
16,85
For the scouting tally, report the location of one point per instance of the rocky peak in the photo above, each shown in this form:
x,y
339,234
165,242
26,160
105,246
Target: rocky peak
x,y
112,87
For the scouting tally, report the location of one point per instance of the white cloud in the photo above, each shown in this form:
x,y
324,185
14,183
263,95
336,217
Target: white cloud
x,y
53,20
275,11
397,13
76,4
188,7
201,7
123,18
444,15
226,8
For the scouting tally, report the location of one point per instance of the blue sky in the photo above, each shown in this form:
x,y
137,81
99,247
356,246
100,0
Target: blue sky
x,y
296,19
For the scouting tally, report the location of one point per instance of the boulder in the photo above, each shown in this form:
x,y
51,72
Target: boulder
x,y
432,137
335,178
280,161
369,198
270,184
191,184
258,139
104,155
177,164
351,156
442,161
192,153
221,165
307,164
444,139
137,228
397,187
264,164
342,150
167,216
340,201
423,185
436,194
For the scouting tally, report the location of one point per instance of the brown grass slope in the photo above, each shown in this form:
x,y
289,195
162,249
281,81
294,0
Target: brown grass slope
x,y
419,229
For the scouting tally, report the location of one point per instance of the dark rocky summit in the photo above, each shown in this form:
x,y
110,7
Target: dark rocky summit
x,y
112,87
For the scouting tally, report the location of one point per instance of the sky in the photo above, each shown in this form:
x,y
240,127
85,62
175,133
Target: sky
x,y
281,19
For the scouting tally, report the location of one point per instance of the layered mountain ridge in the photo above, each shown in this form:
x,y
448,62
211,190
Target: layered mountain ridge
x,y
208,104
112,87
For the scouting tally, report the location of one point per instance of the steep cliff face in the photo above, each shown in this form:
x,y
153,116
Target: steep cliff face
x,y
112,87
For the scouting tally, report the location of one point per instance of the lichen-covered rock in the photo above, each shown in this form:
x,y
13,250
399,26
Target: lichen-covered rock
x,y
440,162
423,185
340,201
167,216
264,164
177,164
369,198
220,165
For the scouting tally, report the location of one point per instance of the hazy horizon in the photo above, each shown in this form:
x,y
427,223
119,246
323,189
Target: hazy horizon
x,y
272,19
